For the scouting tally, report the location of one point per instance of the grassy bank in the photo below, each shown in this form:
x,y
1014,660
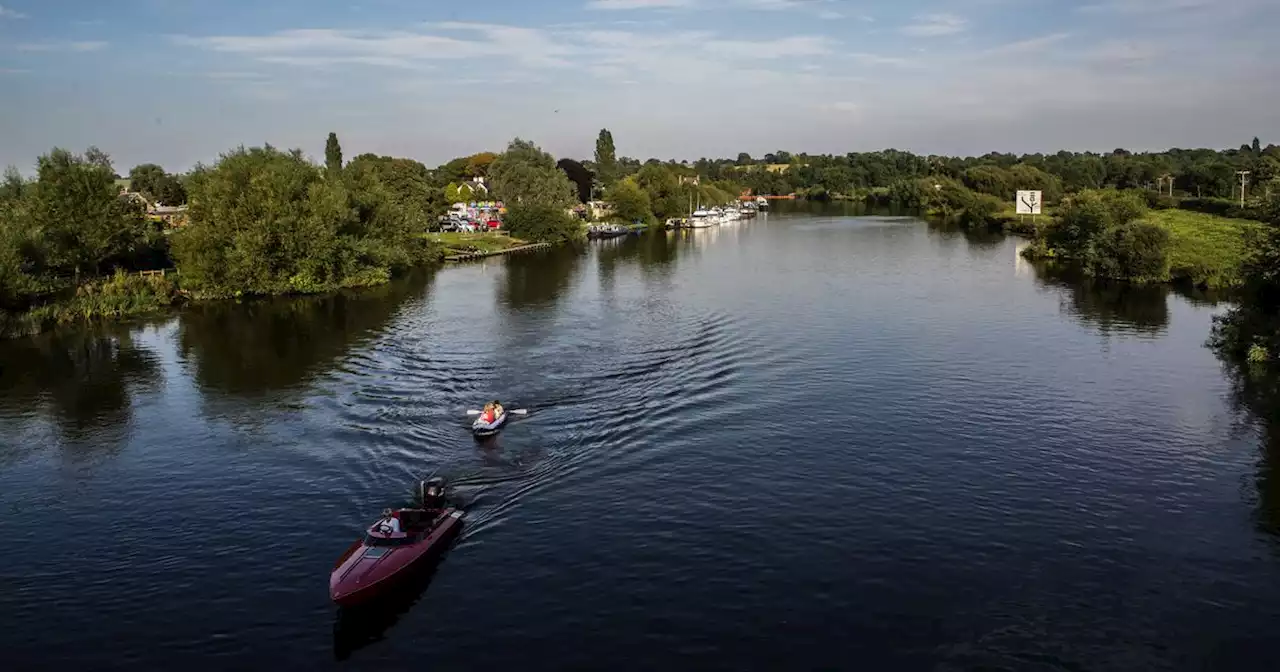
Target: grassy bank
x,y
120,296
1206,250
455,243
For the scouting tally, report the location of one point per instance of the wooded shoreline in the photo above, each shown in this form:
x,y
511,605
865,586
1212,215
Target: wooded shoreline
x,y
263,221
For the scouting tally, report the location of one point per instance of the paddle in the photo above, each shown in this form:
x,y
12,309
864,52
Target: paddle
x,y
513,411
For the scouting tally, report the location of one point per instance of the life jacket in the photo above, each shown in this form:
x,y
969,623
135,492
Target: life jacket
x,y
489,415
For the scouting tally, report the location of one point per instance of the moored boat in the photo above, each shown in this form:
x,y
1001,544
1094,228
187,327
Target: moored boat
x,y
393,545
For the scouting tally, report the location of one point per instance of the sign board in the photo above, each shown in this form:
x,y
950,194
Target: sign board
x,y
1028,203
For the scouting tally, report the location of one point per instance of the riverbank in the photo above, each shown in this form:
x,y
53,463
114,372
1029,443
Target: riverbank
x,y
1112,235
1205,250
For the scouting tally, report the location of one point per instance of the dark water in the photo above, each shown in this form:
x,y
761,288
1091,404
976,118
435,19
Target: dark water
x,y
802,442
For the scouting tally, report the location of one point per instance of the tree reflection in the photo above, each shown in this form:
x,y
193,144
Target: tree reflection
x,y
263,345
83,379
538,279
977,237
655,252
1109,307
1255,393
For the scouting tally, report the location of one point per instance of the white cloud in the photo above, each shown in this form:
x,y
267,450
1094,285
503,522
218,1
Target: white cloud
x,y
1145,6
638,4
936,25
769,49
234,75
6,13
878,59
841,106
1123,52
62,46
1028,46
13,71
394,49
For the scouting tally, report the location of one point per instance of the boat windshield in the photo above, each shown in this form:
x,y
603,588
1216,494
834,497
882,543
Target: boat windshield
x,y
370,540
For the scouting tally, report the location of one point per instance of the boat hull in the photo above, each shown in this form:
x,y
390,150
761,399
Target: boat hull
x,y
480,428
365,573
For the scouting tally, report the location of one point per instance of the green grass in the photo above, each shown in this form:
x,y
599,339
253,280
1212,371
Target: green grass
x,y
468,243
1206,250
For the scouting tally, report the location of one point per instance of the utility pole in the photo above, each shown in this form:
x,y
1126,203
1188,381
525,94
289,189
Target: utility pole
x,y
1244,179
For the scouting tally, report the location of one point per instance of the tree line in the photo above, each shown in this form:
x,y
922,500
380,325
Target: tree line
x,y
266,221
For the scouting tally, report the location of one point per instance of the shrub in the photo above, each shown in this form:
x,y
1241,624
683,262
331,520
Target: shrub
x,y
542,224
1136,251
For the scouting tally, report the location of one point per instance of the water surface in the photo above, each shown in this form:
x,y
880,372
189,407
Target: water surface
x,y
809,441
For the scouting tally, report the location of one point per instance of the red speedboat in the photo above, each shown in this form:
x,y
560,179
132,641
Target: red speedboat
x,y
393,545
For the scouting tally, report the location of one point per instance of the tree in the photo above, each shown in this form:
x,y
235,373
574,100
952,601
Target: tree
x,y
1257,146
264,221
333,154
606,158
478,164
153,182
580,176
630,202
526,175
408,183
543,223
146,179
744,159
78,213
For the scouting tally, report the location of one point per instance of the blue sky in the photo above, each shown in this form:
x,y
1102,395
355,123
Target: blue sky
x,y
179,81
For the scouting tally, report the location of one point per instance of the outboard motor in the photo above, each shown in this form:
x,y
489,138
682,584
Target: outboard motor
x,y
431,492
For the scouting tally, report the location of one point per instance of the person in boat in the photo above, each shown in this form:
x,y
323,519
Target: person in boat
x,y
389,523
492,411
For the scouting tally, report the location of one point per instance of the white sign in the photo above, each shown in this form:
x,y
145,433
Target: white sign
x,y
1028,203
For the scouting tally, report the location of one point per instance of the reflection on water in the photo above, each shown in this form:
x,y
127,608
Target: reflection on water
x,y
655,252
998,491
269,344
355,628
84,380
1109,307
1255,394
538,279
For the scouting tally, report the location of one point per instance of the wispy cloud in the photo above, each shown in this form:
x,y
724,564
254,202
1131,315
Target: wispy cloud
x,y
6,13
936,25
62,46
1144,6
1027,46
844,106
638,4
878,59
396,49
234,75
13,71
1123,52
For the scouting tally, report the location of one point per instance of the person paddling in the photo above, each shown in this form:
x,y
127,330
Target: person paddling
x,y
492,411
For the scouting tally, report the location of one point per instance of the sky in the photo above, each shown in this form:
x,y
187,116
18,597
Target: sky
x,y
178,82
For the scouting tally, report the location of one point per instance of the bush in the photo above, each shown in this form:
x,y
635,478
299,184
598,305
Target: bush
x,y
1081,218
1158,201
543,224
1225,207
630,202
1135,251
982,210
270,222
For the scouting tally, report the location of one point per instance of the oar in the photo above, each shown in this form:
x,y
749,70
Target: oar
x,y
513,411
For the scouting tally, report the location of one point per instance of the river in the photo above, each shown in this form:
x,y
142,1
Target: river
x,y
808,441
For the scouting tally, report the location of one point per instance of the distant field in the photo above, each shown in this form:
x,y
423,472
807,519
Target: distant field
x,y
467,243
1206,249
